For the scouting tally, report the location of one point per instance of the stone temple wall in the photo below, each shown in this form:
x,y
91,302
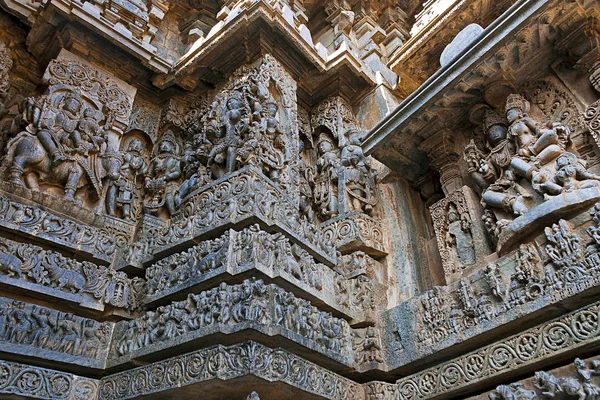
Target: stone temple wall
x,y
273,199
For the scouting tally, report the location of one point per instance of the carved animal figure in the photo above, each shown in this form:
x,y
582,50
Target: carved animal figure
x,y
66,278
10,265
212,260
552,386
29,159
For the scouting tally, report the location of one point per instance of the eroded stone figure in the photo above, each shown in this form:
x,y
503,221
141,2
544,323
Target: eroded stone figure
x,y
123,193
163,175
326,193
459,237
359,178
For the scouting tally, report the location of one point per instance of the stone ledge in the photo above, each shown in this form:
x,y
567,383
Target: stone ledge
x,y
229,309
41,383
31,331
249,358
555,340
234,255
38,224
241,199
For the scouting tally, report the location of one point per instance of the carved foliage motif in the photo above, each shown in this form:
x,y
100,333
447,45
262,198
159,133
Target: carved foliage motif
x,y
49,268
592,120
336,115
6,64
572,330
25,380
29,219
96,84
223,362
43,328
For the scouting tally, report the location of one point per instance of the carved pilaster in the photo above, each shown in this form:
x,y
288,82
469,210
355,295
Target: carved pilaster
x,y
440,149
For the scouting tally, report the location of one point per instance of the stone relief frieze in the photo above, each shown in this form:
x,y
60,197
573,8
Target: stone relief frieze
x,y
241,196
41,383
32,220
32,264
229,305
564,268
569,332
229,362
582,384
95,84
28,328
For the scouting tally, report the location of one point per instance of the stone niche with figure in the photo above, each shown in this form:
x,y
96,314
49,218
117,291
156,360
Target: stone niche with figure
x,y
65,142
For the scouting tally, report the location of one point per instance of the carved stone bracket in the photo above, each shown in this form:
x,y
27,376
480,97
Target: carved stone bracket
x,y
356,231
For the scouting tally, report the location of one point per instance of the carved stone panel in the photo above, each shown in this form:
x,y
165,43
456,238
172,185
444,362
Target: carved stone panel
x,y
462,241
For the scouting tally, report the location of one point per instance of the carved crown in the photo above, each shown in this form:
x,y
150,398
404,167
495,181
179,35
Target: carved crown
x,y
491,118
516,101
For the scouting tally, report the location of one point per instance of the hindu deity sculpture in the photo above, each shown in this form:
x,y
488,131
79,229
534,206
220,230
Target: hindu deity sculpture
x,y
359,178
163,174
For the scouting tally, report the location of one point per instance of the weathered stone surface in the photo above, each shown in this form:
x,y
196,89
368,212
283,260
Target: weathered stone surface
x,y
190,203
460,43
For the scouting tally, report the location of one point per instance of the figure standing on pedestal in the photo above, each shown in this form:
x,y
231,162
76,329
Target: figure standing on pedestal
x,y
123,192
326,193
359,178
163,174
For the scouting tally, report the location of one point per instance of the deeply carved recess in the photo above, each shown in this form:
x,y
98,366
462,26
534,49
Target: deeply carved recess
x,y
230,308
581,383
32,264
229,362
41,383
529,174
542,342
33,330
460,238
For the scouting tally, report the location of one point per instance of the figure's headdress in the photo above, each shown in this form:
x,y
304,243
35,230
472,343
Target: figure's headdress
x,y
169,136
491,118
516,101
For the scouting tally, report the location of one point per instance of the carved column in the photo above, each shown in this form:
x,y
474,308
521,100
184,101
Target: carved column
x,y
440,149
